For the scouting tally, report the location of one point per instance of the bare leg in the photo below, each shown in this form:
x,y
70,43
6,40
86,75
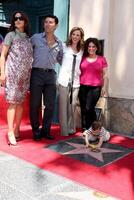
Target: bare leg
x,y
10,120
18,117
11,116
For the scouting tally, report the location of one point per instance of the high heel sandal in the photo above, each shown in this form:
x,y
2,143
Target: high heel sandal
x,y
11,139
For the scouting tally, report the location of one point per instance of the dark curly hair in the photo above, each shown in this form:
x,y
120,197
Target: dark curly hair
x,y
96,42
26,23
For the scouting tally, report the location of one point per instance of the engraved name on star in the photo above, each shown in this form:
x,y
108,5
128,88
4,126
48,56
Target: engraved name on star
x,y
82,149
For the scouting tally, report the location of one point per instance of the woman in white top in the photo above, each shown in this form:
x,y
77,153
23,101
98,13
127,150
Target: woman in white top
x,y
69,80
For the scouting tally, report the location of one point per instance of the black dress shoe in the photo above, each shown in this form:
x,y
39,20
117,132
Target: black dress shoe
x,y
36,135
50,137
46,135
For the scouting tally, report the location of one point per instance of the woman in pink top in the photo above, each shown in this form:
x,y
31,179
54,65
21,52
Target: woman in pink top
x,y
93,80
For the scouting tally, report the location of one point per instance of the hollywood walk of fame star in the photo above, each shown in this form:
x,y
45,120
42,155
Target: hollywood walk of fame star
x,y
82,149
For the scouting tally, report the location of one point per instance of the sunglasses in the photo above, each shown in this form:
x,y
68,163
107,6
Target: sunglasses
x,y
19,18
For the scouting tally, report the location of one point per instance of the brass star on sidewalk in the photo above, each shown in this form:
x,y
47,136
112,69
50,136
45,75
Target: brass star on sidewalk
x,y
82,149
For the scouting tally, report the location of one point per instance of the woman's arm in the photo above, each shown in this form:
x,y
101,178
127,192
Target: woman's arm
x,y
104,91
4,53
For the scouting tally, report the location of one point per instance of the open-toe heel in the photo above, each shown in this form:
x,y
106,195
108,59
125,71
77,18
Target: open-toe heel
x,y
11,139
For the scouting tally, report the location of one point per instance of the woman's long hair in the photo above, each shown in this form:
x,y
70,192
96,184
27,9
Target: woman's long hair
x,y
26,22
81,42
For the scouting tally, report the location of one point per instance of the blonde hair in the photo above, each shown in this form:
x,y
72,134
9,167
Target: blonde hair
x,y
81,42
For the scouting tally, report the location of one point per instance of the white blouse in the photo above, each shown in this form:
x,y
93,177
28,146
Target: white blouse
x,y
66,67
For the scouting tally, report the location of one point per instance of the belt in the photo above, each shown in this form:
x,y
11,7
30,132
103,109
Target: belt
x,y
41,69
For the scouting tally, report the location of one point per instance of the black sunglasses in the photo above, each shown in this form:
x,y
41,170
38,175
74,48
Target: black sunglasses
x,y
20,18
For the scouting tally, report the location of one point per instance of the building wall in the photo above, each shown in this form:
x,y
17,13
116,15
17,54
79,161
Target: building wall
x,y
62,14
113,21
92,16
121,51
61,32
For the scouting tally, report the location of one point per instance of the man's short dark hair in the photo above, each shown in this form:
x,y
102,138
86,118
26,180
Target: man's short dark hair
x,y
53,17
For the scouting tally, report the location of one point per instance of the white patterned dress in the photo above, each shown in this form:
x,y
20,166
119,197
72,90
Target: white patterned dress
x,y
18,66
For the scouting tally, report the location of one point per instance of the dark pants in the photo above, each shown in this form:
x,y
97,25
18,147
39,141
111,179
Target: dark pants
x,y
88,96
42,82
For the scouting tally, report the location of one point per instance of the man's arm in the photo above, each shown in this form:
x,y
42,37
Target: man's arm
x,y
60,55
